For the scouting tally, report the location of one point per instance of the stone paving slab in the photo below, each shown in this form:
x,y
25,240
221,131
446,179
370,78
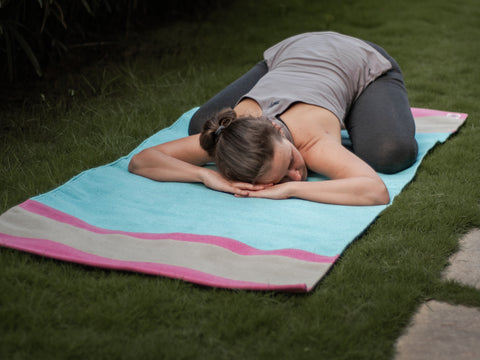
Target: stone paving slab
x,y
441,331
465,264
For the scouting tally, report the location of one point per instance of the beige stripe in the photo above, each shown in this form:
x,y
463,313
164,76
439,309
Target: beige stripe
x,y
437,124
211,259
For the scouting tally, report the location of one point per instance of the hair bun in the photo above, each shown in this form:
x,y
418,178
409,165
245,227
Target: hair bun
x,y
214,128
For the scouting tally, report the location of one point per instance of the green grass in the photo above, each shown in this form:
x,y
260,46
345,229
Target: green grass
x,y
51,309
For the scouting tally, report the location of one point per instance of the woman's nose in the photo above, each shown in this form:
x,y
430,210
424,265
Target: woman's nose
x,y
294,175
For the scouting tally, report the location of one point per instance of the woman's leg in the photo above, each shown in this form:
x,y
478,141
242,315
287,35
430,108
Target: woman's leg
x,y
228,97
381,125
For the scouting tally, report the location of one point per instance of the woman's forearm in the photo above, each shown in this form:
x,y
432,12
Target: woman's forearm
x,y
156,165
349,191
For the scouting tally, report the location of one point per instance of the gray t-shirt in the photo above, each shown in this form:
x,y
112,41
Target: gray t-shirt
x,y
326,69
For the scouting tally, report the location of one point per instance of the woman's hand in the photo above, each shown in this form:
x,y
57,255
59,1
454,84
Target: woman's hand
x,y
216,181
275,192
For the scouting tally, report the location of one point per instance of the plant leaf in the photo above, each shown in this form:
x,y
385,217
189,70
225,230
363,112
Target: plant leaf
x,y
28,51
46,11
9,53
87,7
59,15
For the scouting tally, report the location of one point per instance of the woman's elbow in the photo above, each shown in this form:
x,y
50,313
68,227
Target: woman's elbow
x,y
135,163
374,192
381,195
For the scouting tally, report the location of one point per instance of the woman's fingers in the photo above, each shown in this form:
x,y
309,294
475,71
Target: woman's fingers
x,y
252,187
271,192
217,182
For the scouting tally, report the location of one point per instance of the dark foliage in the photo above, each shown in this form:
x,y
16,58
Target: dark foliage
x,y
35,35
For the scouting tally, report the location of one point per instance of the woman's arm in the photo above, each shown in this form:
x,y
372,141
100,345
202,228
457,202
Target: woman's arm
x,y
351,191
352,181
181,161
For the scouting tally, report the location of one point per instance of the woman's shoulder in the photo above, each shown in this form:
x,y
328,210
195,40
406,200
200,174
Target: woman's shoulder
x,y
309,123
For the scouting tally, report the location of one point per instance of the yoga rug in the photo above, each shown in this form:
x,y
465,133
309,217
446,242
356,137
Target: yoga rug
x,y
109,218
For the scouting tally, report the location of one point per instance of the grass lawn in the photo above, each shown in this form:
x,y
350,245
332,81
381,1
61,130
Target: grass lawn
x,y
50,309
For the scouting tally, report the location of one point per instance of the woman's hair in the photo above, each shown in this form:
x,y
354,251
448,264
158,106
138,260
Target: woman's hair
x,y
241,146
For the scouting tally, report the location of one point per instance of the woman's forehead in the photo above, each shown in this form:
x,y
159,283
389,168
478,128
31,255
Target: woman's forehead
x,y
282,155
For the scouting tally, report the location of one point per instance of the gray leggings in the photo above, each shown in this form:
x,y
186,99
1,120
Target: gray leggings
x,y
379,123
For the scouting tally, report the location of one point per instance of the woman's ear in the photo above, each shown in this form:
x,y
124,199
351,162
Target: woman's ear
x,y
278,128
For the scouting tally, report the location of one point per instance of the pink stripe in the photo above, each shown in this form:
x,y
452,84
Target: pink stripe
x,y
417,112
58,251
227,243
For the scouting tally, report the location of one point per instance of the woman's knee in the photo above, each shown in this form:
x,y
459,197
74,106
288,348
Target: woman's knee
x,y
391,156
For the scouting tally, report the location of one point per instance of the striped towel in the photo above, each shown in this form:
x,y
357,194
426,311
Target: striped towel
x,y
107,217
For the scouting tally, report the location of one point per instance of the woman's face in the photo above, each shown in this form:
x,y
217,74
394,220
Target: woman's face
x,y
287,165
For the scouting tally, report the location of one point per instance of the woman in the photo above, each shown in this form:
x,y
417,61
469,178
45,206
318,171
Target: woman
x,y
283,118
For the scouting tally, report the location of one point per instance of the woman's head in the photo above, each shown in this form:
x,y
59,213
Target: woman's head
x,y
287,165
246,148
242,147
